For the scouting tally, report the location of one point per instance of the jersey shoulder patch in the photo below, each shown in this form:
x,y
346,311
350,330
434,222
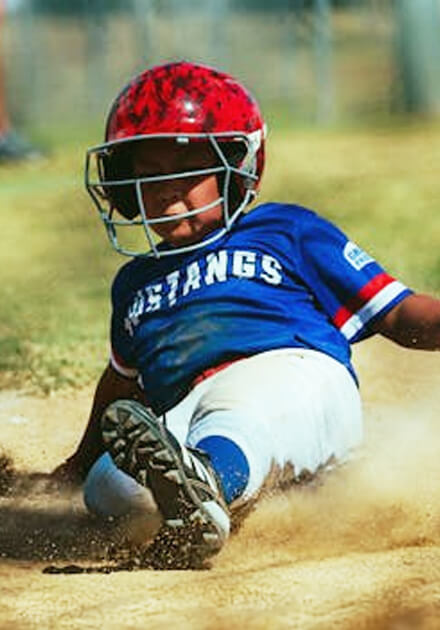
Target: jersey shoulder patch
x,y
356,256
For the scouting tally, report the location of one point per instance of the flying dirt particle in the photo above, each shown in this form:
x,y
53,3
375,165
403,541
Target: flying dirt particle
x,y
8,474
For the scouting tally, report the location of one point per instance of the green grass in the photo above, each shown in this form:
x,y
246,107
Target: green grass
x,y
382,187
56,269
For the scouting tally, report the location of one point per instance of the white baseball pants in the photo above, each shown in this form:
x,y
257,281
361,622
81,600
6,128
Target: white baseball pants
x,y
288,407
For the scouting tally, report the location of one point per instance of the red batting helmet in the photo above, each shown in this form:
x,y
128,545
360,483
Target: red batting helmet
x,y
191,103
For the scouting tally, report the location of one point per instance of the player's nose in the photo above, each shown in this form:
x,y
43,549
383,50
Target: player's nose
x,y
170,191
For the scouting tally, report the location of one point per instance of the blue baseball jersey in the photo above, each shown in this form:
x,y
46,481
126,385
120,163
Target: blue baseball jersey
x,y
281,277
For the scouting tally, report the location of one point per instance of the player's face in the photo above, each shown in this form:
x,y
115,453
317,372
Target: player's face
x,y
176,197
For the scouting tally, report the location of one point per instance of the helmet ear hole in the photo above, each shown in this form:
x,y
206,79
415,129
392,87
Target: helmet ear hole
x,y
235,154
236,195
118,166
236,191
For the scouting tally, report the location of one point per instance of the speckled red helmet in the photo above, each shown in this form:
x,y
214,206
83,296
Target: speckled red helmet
x,y
191,103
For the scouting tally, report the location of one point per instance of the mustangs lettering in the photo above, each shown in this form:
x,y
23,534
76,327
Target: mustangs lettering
x,y
218,267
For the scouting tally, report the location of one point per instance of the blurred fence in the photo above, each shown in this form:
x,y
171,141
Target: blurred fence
x,y
314,61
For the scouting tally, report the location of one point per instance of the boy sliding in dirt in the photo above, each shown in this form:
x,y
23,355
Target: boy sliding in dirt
x,y
230,368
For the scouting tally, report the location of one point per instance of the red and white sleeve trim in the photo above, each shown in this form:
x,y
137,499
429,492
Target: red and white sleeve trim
x,y
371,300
118,364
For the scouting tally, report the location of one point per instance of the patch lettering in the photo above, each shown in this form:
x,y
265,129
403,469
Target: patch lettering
x,y
356,256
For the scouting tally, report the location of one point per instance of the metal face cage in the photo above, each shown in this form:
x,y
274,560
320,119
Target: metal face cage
x,y
128,232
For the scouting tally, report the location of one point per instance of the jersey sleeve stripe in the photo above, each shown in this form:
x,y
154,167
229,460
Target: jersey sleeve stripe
x,y
118,364
381,300
357,302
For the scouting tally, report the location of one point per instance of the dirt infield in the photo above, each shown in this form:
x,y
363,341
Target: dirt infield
x,y
361,550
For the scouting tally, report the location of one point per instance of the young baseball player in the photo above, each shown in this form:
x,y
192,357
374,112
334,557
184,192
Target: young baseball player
x,y
230,366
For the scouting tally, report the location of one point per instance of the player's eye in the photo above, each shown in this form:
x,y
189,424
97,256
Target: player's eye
x,y
143,174
180,170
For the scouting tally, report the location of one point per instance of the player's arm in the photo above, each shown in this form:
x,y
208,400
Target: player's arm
x,y
111,386
413,323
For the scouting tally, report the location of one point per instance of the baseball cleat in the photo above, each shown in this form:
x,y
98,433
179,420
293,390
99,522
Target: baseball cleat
x,y
181,479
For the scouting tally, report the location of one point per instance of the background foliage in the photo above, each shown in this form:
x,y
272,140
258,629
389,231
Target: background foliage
x,y
319,61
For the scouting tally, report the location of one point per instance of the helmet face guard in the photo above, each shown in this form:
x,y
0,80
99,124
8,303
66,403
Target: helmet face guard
x,y
188,104
120,200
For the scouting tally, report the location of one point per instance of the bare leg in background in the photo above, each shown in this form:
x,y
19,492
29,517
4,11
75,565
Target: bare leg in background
x,y
5,123
12,146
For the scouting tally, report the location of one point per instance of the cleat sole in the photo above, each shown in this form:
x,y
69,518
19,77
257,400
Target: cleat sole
x,y
141,447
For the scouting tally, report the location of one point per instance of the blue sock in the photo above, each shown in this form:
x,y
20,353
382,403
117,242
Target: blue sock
x,y
229,462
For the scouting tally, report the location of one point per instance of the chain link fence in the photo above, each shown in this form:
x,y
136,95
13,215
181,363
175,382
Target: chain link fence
x,y
311,61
